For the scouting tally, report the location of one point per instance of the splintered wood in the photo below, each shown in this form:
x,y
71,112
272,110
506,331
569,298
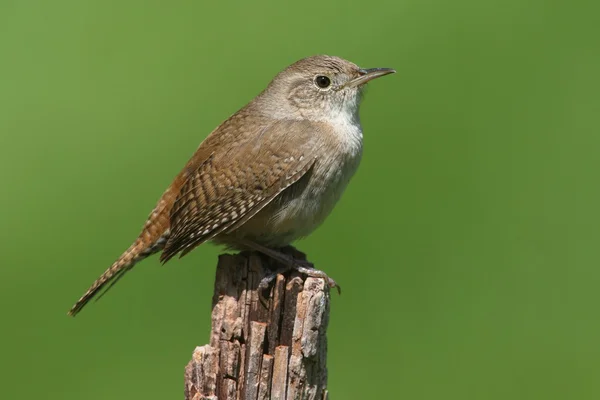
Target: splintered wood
x,y
260,353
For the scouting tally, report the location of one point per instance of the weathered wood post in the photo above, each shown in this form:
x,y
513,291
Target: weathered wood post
x,y
260,353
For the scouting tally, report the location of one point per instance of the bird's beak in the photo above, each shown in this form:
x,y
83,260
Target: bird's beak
x,y
365,75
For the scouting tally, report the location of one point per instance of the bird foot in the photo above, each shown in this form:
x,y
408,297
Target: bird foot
x,y
292,264
289,259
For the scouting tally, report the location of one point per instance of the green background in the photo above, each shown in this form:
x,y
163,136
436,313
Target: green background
x,y
468,244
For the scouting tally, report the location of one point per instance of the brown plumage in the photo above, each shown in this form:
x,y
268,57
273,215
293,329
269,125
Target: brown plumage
x,y
267,175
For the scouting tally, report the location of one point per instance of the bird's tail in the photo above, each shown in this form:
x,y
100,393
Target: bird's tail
x,y
153,239
138,251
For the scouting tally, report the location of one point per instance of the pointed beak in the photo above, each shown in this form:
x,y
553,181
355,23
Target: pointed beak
x,y
367,75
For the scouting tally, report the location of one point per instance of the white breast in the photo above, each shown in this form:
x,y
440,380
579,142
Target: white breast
x,y
330,176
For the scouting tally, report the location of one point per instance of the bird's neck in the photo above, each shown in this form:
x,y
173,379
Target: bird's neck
x,y
348,130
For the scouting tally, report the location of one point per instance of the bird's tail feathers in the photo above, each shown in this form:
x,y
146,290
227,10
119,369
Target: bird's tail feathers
x,y
138,251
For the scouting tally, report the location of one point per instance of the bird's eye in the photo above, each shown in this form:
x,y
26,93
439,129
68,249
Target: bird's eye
x,y
322,81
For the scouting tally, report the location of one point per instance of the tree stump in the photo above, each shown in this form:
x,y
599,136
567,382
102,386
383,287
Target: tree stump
x,y
260,352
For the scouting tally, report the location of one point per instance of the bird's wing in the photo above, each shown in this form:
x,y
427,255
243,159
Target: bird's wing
x,y
237,179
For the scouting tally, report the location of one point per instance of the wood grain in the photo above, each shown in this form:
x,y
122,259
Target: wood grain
x,y
258,353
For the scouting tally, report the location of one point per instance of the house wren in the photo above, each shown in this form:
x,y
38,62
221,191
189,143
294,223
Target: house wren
x,y
265,177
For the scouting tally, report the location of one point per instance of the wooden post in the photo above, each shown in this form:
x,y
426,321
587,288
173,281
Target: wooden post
x,y
259,353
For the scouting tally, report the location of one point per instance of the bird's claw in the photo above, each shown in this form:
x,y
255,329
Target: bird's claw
x,y
302,266
264,285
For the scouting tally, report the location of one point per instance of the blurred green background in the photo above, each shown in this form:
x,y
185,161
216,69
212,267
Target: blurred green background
x,y
467,245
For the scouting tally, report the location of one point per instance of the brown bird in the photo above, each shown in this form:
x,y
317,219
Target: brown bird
x,y
268,175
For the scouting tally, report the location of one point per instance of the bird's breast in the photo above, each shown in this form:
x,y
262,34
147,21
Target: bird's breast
x,y
303,207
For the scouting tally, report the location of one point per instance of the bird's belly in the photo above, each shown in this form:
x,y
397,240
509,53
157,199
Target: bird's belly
x,y
300,210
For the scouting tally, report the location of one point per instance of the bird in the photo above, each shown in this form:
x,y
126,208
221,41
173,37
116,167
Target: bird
x,y
266,176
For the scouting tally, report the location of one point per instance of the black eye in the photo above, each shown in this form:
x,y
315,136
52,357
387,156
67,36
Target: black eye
x,y
322,81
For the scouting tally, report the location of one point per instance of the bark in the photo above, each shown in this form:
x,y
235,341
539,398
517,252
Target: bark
x,y
260,352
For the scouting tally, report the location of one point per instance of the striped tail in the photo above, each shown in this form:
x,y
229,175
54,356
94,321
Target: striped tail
x,y
153,239
138,251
